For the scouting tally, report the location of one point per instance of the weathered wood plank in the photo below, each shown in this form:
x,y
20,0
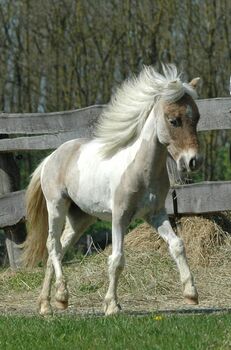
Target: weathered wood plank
x,y
12,208
204,197
215,114
49,123
41,142
199,198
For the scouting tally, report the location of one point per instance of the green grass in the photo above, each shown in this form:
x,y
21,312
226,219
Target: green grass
x,y
121,332
20,281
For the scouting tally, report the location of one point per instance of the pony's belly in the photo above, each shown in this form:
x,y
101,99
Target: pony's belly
x,y
106,216
93,202
95,206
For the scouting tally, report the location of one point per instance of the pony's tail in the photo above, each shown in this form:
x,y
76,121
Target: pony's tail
x,y
34,248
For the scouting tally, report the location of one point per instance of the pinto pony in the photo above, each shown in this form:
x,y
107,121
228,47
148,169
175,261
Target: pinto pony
x,y
119,175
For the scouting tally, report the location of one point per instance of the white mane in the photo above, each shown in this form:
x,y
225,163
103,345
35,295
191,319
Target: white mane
x,y
123,118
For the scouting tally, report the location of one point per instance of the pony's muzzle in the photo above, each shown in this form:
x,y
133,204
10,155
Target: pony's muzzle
x,y
189,162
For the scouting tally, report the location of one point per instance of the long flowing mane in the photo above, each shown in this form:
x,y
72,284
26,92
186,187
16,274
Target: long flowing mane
x,y
124,117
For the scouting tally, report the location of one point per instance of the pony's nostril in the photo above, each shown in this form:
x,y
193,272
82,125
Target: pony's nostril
x,y
193,163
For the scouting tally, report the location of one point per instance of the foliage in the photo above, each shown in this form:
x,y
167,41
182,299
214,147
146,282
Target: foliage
x,y
61,55
215,149
98,226
154,331
106,225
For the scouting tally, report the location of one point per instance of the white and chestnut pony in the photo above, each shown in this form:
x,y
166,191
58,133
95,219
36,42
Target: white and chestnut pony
x,y
118,175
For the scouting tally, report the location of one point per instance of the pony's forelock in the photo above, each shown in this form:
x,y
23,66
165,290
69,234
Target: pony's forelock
x,y
124,117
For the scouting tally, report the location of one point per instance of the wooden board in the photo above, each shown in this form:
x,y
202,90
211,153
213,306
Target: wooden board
x,y
41,142
56,128
49,123
204,197
12,208
215,115
199,198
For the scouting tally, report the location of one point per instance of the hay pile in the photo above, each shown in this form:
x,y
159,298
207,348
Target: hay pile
x,y
150,279
206,238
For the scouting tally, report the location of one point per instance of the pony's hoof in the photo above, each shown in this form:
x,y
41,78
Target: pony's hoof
x,y
61,296
61,305
191,296
112,309
191,300
45,309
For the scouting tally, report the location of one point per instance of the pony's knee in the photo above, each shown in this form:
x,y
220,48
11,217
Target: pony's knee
x,y
116,262
176,247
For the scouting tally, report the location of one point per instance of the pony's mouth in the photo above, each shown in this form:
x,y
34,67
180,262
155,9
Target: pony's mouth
x,y
188,161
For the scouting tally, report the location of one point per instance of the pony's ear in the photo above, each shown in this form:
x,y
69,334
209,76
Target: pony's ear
x,y
193,83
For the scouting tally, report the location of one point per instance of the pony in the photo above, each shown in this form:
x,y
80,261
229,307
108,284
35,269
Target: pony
x,y
119,174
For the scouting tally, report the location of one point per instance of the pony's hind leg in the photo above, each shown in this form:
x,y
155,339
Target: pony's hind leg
x,y
76,223
57,211
115,267
44,298
177,250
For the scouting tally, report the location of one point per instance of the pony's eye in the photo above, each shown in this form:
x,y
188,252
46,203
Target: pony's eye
x,y
175,122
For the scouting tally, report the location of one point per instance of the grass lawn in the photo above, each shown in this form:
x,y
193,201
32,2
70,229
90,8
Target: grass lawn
x,y
120,332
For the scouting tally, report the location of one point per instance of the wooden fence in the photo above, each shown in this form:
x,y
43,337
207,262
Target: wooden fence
x,y
46,131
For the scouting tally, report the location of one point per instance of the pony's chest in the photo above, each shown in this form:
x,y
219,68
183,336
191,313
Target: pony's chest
x,y
147,203
150,202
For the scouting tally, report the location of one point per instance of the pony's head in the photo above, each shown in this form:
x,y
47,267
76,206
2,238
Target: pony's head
x,y
175,112
177,126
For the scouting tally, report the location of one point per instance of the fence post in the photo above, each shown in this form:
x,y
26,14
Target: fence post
x,y
9,182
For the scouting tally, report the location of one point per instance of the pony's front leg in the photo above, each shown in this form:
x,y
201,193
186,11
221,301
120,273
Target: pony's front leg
x,y
115,267
176,247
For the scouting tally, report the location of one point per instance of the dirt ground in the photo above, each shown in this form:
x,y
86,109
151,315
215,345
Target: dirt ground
x,y
150,282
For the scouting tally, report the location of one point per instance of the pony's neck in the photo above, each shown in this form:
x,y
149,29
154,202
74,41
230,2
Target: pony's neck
x,y
152,153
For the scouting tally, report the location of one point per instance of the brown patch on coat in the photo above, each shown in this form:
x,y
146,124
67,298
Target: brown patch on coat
x,y
185,136
144,173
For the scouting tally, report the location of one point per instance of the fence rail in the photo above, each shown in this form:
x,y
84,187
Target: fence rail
x,y
46,131
198,198
30,132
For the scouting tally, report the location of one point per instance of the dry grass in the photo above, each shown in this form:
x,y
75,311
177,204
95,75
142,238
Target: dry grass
x,y
150,280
